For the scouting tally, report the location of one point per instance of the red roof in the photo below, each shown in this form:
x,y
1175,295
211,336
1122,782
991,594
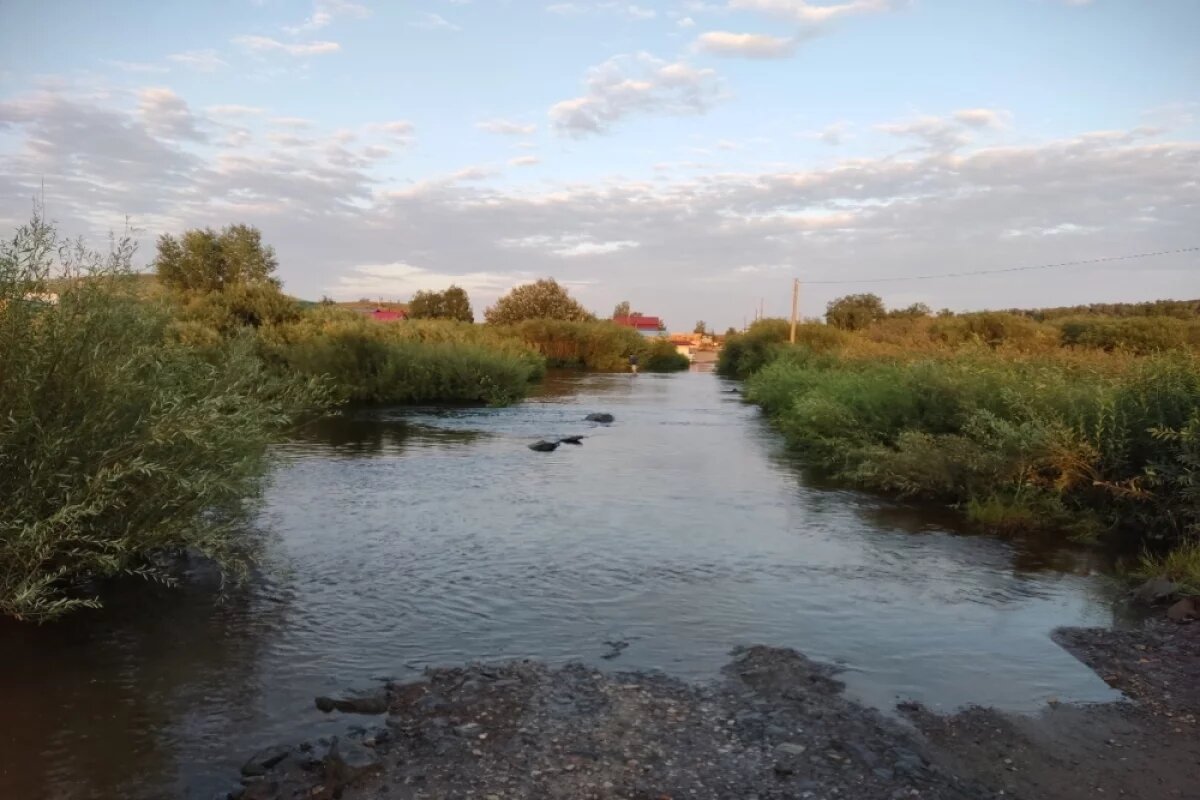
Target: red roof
x,y
387,316
641,323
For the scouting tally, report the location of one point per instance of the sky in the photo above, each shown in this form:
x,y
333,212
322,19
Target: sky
x,y
689,157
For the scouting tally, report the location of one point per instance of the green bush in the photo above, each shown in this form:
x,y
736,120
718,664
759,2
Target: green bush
x,y
118,442
405,362
1141,335
1017,443
600,345
744,354
659,355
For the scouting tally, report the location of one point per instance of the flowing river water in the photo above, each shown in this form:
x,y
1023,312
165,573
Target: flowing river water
x,y
400,539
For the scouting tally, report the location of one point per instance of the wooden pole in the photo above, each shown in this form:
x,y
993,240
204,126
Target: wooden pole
x,y
795,307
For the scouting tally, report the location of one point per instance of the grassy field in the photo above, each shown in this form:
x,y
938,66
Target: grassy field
x,y
1076,426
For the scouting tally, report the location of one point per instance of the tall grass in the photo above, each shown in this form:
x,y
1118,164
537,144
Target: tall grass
x,y
118,442
1037,443
597,345
411,362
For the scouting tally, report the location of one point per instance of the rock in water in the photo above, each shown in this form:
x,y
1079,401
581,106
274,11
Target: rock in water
x,y
577,439
375,703
1156,590
347,761
1185,610
543,446
599,417
261,762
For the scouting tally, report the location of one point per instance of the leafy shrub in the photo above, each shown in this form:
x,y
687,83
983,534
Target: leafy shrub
x,y
544,299
118,442
1142,335
659,355
746,353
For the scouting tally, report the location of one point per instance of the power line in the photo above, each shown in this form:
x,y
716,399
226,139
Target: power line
x,y
1008,269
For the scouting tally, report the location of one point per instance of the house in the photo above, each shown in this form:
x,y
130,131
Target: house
x,y
387,315
646,326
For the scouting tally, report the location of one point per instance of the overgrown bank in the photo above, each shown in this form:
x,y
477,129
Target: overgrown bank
x,y
1018,423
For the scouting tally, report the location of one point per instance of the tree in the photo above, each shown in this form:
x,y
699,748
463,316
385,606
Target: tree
x,y
543,299
452,303
854,311
622,309
911,312
202,260
701,328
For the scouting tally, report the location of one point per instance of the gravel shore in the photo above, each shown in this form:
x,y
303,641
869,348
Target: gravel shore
x,y
777,725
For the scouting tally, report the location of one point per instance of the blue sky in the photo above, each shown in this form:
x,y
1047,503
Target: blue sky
x,y
688,156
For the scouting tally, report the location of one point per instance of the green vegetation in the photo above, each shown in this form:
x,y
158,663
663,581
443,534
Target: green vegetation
x,y
598,345
1026,426
543,300
411,362
137,410
451,303
118,441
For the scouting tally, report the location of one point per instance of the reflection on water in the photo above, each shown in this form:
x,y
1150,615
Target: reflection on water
x,y
403,538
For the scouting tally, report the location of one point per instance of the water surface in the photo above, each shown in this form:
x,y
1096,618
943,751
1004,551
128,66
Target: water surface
x,y
399,539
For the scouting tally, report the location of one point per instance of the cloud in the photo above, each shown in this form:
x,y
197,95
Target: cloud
x,y
631,84
565,9
398,131
981,117
524,161
802,11
324,14
686,22
234,110
684,242
296,123
167,116
832,134
265,44
747,45
506,127
199,60
627,10
434,22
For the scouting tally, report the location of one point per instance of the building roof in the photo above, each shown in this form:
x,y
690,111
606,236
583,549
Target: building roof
x,y
386,315
640,322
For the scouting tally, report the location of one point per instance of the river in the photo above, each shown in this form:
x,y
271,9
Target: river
x,y
397,539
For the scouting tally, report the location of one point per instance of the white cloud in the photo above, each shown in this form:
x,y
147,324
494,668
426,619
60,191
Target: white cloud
x,y
434,22
234,110
832,134
402,280
199,60
265,44
631,84
325,12
565,9
524,161
981,117
506,127
748,45
568,245
166,115
802,11
399,131
296,123
627,10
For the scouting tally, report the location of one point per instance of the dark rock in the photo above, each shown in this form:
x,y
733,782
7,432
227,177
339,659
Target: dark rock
x,y
788,757
600,417
577,439
347,762
1185,610
1156,590
542,446
261,790
374,703
261,762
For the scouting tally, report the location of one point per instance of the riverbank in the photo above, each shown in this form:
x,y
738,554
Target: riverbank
x,y
776,725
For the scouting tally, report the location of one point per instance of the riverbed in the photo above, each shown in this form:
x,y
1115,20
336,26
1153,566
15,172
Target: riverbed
x,y
397,539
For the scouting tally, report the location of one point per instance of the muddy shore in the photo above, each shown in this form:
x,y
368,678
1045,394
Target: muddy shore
x,y
777,725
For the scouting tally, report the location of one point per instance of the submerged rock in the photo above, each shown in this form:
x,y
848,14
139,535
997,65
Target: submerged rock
x,y
373,703
261,762
599,417
576,439
348,761
542,446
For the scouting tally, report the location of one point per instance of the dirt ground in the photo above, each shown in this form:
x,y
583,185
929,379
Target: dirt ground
x,y
776,726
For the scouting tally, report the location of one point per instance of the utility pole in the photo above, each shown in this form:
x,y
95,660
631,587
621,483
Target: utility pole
x,y
795,307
